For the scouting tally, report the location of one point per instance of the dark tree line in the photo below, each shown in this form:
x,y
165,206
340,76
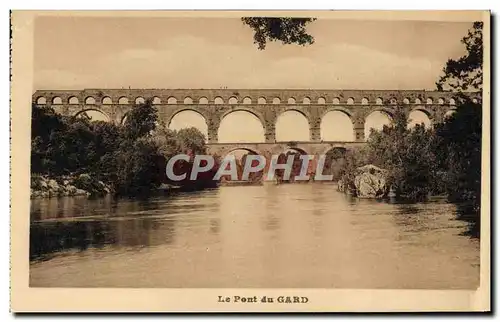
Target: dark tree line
x,y
130,157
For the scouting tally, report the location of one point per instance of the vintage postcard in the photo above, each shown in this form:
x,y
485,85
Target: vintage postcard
x,y
191,161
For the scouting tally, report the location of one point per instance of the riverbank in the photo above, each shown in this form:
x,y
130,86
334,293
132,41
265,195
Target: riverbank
x,y
67,186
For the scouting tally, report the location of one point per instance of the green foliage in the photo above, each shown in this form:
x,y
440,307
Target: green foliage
x,y
408,155
141,121
131,157
138,167
466,72
459,151
286,30
191,139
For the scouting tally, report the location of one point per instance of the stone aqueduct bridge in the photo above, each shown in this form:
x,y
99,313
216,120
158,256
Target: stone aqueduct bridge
x,y
265,104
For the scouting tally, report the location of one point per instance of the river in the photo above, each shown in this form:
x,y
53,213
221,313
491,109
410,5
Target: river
x,y
272,236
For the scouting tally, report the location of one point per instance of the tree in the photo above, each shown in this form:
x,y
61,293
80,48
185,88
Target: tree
x,y
191,139
141,120
466,72
286,30
407,154
459,148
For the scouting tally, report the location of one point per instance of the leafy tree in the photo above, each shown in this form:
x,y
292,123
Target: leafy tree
x,y
131,157
166,141
407,154
137,167
286,30
191,139
459,148
466,72
141,120
459,151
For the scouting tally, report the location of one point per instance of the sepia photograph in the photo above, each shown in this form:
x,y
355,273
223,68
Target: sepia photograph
x,y
243,151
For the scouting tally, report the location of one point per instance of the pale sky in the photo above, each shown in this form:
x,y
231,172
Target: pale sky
x,y
93,52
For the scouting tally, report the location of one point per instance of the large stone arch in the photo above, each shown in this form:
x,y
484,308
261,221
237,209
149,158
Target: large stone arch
x,y
298,148
245,109
218,119
381,108
184,109
387,112
338,108
334,161
323,129
244,147
332,147
424,109
301,109
81,111
421,109
283,112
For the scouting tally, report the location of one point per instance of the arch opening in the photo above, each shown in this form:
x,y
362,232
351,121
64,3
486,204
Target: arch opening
x,y
233,100
218,100
73,100
240,155
376,121
296,166
306,100
261,100
247,100
188,119
107,100
123,100
171,100
203,100
419,117
188,100
90,100
337,126
156,100
41,100
241,127
57,100
292,126
139,100
93,115
321,100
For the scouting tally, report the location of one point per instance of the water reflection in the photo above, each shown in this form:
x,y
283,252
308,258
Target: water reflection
x,y
250,236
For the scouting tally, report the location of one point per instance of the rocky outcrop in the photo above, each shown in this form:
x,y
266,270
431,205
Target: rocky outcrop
x,y
366,182
81,185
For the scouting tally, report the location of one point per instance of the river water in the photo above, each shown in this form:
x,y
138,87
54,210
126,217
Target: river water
x,y
285,236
